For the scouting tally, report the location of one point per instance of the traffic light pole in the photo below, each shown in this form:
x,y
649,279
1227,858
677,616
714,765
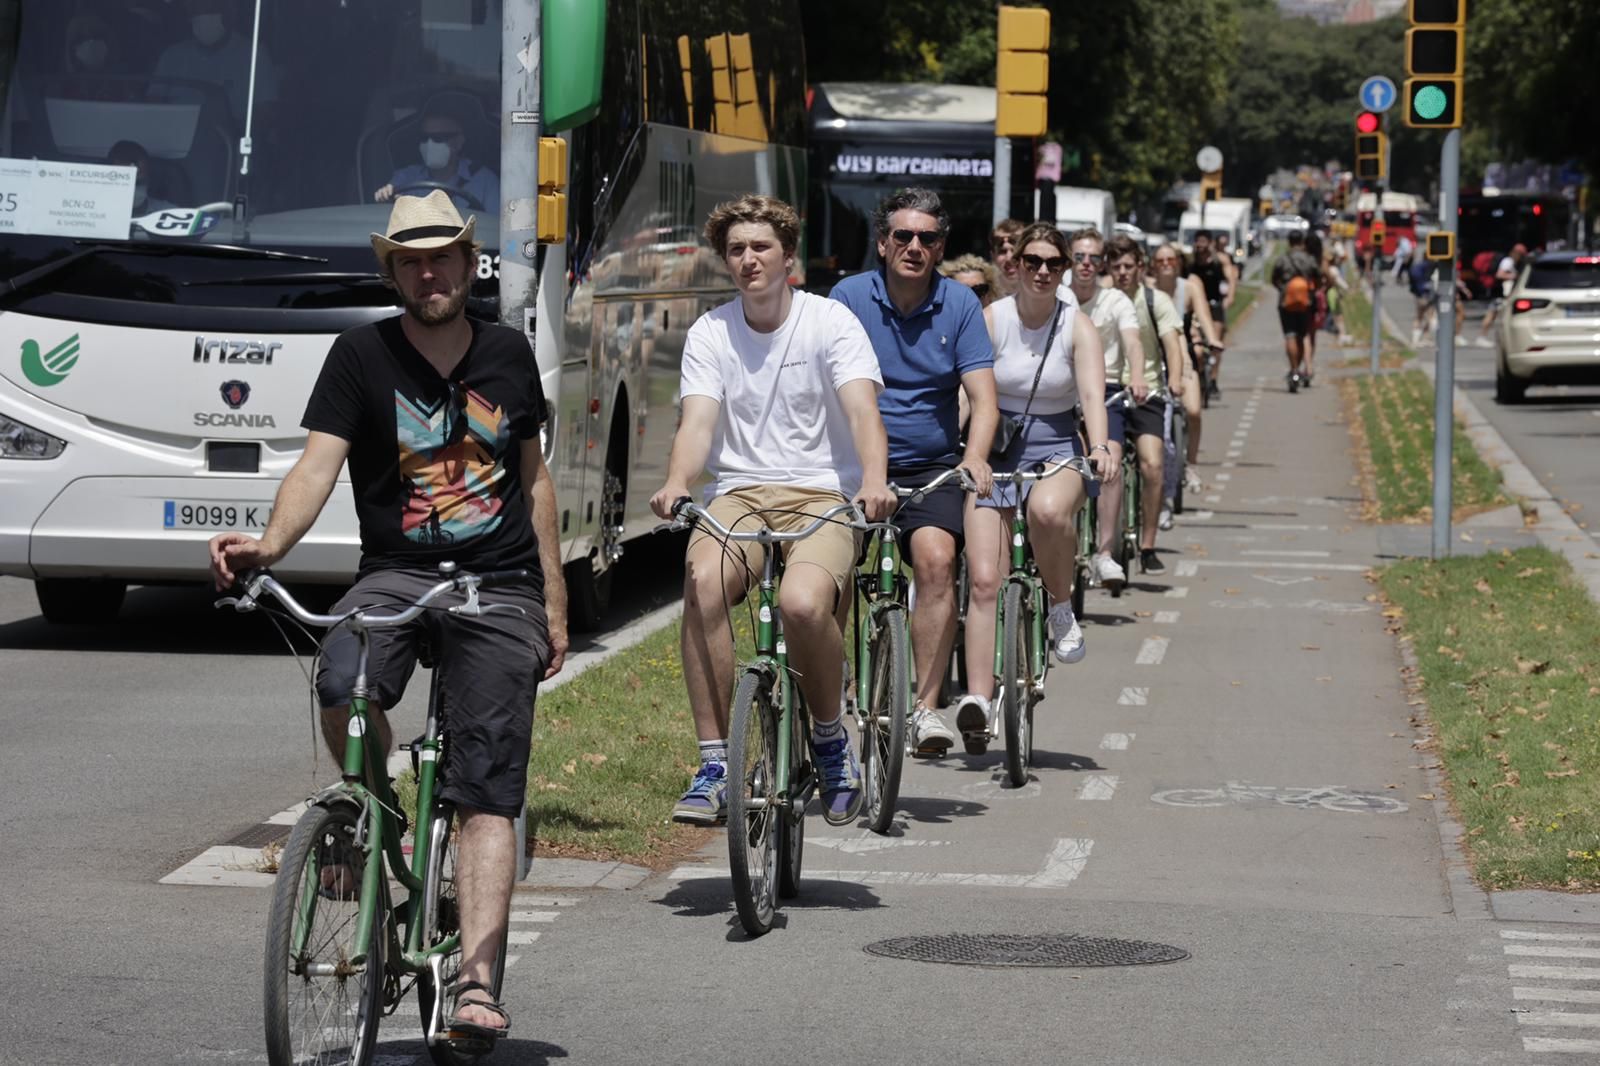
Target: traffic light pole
x,y
1377,280
1444,376
1002,181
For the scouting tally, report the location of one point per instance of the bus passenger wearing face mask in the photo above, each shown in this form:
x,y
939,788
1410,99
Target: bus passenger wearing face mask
x,y
472,186
216,54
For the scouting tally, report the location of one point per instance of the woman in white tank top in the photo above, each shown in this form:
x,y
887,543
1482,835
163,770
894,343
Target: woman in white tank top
x,y
1190,297
1025,328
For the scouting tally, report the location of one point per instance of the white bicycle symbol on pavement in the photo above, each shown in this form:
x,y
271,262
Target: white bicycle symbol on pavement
x,y
1327,797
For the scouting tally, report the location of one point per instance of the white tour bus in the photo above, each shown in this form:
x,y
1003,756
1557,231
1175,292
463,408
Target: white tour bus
x,y
184,223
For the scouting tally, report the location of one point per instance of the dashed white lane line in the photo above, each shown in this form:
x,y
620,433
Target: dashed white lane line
x,y
1569,1019
1234,454
1152,651
1287,554
1228,465
1214,498
1557,973
1177,592
1200,516
1061,867
534,916
1134,697
1166,618
1116,741
1187,567
1098,787
1222,477
522,936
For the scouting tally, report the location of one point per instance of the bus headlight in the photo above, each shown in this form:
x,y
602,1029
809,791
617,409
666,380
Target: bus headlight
x,y
19,441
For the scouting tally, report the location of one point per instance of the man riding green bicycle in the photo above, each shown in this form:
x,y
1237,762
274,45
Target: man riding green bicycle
x,y
438,417
779,391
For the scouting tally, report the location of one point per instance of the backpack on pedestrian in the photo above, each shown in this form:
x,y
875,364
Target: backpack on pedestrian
x,y
1296,294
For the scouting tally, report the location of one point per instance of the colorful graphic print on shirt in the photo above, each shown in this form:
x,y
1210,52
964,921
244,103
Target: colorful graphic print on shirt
x,y
450,459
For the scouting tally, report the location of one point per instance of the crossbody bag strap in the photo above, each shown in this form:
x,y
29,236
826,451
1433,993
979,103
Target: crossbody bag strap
x,y
1055,323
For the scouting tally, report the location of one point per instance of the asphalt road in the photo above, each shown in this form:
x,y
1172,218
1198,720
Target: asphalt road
x,y
1554,431
1230,772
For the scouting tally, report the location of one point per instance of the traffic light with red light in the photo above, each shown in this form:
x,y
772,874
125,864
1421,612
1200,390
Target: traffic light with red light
x,y
1371,147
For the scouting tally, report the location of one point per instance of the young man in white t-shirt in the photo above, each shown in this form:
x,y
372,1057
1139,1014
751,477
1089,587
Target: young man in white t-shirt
x,y
1112,314
780,404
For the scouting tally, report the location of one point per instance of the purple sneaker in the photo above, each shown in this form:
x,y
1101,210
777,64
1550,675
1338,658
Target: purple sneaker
x,y
840,775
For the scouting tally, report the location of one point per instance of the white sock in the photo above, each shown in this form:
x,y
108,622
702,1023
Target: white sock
x,y
714,751
821,731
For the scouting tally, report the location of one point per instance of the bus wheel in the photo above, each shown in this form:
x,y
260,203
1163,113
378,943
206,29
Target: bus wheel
x,y
588,592
79,601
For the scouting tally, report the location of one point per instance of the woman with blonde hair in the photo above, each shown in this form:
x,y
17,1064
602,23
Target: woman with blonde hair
x,y
977,274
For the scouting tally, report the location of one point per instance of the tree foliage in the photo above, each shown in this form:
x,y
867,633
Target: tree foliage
x,y
1135,86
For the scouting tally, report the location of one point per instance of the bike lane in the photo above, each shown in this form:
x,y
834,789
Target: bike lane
x,y
1232,771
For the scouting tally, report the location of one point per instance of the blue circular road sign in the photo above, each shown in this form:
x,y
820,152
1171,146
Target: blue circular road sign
x,y
1377,93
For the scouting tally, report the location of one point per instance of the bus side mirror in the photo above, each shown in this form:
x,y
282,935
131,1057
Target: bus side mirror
x,y
572,57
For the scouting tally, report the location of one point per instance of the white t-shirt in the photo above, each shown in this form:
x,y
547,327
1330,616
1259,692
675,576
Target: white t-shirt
x,y
1506,263
1111,312
1016,360
781,421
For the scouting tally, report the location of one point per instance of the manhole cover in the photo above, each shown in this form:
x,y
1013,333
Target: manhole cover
x,y
1013,949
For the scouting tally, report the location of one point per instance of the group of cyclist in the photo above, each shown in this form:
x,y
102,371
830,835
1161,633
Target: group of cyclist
x,y
1065,345
793,403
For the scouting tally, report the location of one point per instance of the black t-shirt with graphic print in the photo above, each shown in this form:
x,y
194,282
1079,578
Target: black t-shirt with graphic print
x,y
435,464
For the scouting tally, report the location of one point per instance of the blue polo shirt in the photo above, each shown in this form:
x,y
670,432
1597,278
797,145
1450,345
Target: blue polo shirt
x,y
922,357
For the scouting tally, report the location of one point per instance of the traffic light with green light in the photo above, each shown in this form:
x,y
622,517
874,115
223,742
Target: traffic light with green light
x,y
1436,48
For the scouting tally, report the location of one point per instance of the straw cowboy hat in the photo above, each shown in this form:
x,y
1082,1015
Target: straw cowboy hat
x,y
421,222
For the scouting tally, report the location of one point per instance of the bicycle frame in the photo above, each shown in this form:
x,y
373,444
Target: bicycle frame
x,y
371,790
885,588
772,657
1025,571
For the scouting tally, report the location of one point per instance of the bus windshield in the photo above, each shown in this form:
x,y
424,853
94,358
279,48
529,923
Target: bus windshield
x,y
136,121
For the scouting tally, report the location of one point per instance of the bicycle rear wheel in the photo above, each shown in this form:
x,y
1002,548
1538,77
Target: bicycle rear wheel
x,y
1016,675
753,812
320,1006
1126,537
883,719
441,918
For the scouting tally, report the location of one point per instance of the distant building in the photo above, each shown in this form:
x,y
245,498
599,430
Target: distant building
x,y
1345,11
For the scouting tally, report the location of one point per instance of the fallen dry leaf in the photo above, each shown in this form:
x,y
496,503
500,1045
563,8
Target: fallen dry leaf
x,y
1231,592
1530,571
594,758
1531,666
1327,677
1561,773
1391,786
1425,796
1141,614
1310,647
570,767
1482,586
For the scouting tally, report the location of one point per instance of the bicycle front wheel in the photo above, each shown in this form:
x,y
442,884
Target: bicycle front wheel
x,y
1017,682
883,719
441,918
753,810
321,1004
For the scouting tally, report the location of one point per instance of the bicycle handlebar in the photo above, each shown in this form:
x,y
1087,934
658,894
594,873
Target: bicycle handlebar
x,y
686,512
1124,396
1077,464
959,472
256,582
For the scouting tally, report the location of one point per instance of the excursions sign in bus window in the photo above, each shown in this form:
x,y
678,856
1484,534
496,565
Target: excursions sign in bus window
x,y
847,163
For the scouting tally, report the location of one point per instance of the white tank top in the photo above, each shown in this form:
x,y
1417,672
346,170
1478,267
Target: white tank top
x,y
1016,360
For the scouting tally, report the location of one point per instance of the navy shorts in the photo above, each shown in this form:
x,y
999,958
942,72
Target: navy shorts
x,y
943,508
490,668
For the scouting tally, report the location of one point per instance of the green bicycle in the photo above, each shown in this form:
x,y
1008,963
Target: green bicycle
x,y
1126,548
339,949
1022,653
883,696
770,774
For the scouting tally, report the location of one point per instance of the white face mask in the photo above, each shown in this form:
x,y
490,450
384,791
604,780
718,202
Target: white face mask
x,y
208,29
435,154
91,53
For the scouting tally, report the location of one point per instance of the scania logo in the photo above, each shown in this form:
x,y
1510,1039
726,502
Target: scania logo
x,y
235,393
234,351
226,419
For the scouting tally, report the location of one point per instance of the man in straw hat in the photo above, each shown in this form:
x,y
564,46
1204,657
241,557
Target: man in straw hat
x,y
438,417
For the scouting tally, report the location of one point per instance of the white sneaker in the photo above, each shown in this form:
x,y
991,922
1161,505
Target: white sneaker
x,y
1067,634
929,734
1164,519
972,721
1484,342
1107,570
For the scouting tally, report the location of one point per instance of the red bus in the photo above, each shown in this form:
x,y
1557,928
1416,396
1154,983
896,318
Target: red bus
x,y
1489,223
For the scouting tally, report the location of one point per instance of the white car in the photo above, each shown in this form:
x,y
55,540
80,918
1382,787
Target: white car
x,y
1549,332
1278,227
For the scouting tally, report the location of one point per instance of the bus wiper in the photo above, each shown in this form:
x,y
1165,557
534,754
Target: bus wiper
x,y
161,248
353,280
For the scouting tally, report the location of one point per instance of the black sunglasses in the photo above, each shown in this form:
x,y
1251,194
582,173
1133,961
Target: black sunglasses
x,y
1055,264
980,291
928,237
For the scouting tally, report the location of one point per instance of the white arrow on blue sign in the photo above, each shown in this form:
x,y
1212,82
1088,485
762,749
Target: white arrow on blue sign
x,y
1377,93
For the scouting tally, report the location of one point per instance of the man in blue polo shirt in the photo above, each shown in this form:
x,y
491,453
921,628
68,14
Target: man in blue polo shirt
x,y
931,341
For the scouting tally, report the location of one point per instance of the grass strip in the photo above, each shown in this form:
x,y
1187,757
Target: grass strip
x,y
1395,445
1241,304
1356,308
1506,648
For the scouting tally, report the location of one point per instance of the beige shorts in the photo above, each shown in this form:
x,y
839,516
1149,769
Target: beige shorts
x,y
784,509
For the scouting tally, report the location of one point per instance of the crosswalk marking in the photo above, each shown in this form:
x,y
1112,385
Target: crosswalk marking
x,y
1134,697
522,936
1555,1045
1178,592
534,916
1116,741
1166,618
1560,1017
1557,973
1557,995
1152,651
1542,951
1523,934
